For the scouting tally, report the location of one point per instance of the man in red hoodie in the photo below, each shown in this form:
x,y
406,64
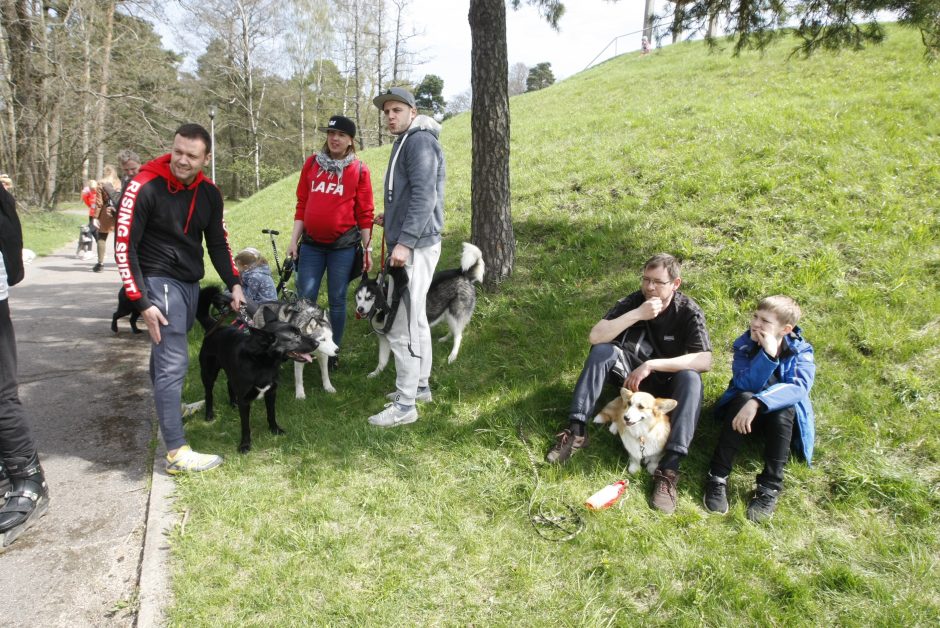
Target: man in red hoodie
x,y
165,212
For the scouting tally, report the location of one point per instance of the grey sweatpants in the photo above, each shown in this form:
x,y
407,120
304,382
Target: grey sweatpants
x,y
412,372
169,360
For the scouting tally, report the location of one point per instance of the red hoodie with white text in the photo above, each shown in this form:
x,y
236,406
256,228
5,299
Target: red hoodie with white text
x,y
160,228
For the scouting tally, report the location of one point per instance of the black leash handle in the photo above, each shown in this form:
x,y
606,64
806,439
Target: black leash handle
x,y
277,261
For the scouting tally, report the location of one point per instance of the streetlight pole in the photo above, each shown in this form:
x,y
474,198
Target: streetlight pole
x,y
212,112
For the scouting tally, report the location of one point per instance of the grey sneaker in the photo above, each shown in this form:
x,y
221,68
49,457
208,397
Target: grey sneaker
x,y
715,498
392,416
763,504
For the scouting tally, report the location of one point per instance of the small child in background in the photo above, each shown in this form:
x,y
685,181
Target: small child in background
x,y
772,373
257,281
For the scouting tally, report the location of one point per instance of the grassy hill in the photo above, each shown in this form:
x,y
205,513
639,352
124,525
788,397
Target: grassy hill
x,y
817,178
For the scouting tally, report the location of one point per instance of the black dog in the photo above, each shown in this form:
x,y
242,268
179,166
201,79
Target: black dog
x,y
123,309
251,359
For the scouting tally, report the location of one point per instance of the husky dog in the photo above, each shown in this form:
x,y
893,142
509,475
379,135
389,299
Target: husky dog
x,y
124,308
451,297
314,323
86,240
641,422
251,359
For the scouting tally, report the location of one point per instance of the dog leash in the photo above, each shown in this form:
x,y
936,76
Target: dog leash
x,y
241,318
393,307
549,524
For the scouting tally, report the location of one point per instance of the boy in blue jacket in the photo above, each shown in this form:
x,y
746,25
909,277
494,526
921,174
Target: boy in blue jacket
x,y
772,373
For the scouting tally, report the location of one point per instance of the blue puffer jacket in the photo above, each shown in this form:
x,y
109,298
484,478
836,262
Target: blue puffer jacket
x,y
795,369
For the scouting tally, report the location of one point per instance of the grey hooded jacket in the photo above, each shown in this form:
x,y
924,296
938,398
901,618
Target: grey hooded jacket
x,y
414,187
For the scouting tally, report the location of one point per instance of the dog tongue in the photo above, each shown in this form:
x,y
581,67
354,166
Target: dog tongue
x,y
358,316
301,357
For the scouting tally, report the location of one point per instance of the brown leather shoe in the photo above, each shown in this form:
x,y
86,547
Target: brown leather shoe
x,y
566,443
664,490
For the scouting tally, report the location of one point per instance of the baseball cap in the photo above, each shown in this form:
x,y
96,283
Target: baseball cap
x,y
342,124
395,93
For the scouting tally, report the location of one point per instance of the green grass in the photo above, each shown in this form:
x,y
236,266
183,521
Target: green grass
x,y
47,231
814,178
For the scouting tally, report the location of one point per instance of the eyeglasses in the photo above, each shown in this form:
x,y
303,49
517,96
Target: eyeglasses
x,y
646,281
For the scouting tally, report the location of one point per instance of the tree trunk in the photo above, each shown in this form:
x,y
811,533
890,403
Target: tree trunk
x,y
379,49
648,20
491,222
101,111
86,95
303,134
30,82
7,122
357,81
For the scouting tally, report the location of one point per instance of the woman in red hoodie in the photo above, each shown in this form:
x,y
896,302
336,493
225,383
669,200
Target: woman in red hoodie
x,y
334,214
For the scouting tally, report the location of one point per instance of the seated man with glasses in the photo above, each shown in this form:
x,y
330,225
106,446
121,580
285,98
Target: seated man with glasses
x,y
653,340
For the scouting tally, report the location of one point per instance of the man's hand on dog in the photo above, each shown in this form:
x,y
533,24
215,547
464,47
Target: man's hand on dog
x,y
636,376
153,317
741,423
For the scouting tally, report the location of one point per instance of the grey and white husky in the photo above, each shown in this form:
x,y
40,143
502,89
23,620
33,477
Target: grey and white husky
x,y
314,323
451,297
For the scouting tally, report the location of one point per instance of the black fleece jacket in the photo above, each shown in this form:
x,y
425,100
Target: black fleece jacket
x,y
11,238
160,228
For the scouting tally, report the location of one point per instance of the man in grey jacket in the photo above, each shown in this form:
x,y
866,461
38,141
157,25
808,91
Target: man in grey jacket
x,y
413,221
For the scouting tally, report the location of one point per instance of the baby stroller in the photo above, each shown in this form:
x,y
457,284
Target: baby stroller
x,y
86,241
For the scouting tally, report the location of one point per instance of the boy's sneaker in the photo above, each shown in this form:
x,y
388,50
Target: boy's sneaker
x,y
566,444
424,395
763,504
98,267
716,494
393,415
665,495
188,461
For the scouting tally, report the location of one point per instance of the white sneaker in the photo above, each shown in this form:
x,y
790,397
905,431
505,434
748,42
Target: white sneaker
x,y
392,416
424,395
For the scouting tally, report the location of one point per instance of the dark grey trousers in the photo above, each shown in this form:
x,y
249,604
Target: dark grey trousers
x,y
606,365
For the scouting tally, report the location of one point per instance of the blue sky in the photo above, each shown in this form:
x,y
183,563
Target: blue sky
x,y
587,27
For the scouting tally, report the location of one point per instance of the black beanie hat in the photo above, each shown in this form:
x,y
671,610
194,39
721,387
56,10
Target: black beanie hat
x,y
341,123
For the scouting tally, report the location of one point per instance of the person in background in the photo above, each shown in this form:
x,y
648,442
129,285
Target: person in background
x,y
129,161
107,199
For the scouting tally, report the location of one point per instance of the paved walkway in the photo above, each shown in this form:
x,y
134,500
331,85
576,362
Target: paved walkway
x,y
87,393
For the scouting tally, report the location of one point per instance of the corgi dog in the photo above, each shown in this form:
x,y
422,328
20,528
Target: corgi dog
x,y
641,422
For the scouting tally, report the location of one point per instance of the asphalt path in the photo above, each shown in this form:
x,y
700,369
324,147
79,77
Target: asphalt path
x,y
98,558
